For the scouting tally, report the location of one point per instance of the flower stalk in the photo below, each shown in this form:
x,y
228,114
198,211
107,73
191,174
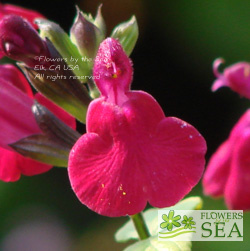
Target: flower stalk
x,y
140,226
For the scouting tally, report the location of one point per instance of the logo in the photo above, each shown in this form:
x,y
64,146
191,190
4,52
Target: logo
x,y
200,225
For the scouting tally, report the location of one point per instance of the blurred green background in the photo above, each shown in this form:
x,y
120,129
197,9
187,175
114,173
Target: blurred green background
x,y
173,61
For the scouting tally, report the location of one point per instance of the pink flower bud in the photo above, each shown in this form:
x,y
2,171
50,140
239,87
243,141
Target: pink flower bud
x,y
20,41
236,77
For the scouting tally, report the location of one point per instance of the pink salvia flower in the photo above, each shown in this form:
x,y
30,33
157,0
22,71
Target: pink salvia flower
x,y
228,171
20,41
17,121
236,77
131,154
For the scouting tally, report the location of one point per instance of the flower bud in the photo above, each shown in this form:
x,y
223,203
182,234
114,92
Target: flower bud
x,y
99,21
236,77
20,41
64,46
86,35
127,34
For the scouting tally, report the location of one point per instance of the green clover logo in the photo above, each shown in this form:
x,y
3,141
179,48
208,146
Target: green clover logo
x,y
188,222
170,220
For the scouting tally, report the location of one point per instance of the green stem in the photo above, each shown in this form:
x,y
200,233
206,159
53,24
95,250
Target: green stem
x,y
140,226
94,93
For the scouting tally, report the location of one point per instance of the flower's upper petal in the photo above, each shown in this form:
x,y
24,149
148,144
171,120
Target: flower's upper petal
x,y
217,171
142,112
131,155
113,71
16,118
56,110
11,74
12,165
237,190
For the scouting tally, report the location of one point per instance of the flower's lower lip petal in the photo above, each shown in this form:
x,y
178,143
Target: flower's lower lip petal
x,y
218,170
12,165
8,169
114,181
104,178
132,154
177,162
30,167
237,190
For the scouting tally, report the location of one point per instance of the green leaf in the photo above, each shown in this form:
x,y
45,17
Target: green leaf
x,y
127,34
60,86
128,232
152,244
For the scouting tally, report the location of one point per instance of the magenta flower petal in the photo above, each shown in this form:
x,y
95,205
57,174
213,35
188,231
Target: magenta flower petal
x,y
58,111
237,190
11,74
113,71
16,118
12,165
131,154
8,168
236,77
217,171
228,171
